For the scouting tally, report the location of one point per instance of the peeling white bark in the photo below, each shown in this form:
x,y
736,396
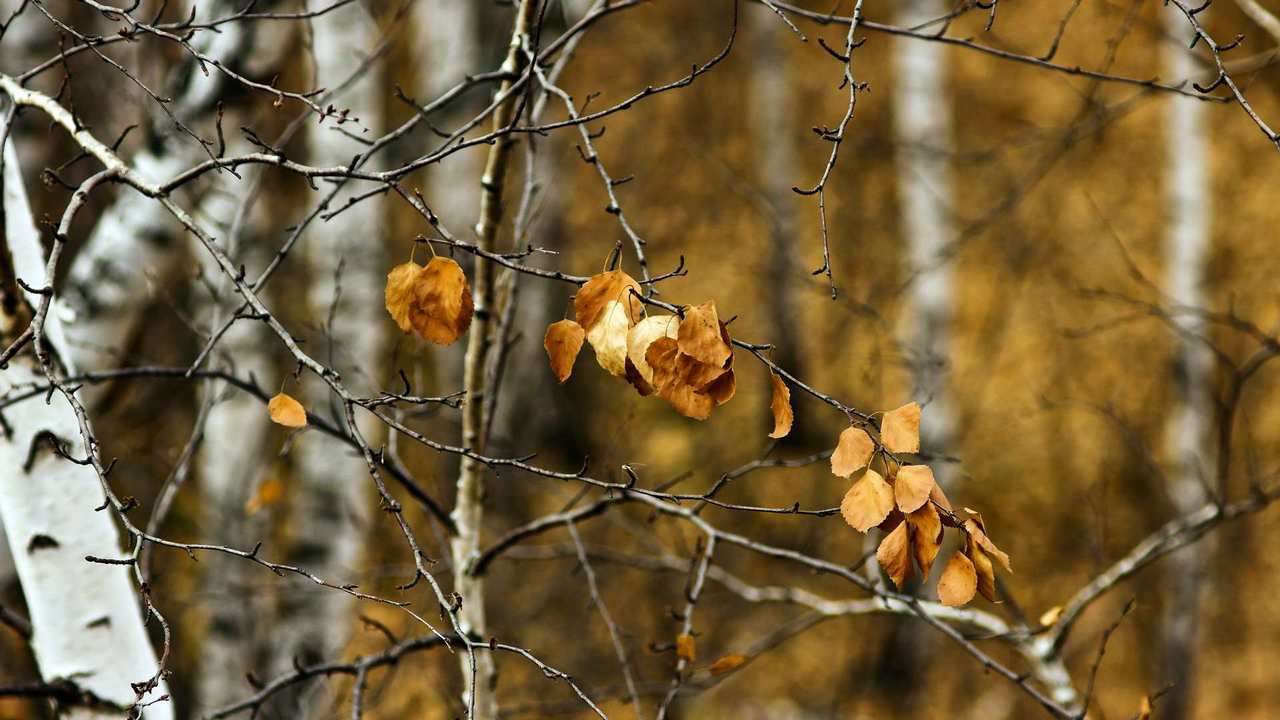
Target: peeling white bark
x,y
87,626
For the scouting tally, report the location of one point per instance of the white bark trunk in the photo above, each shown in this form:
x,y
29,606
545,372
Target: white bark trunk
x,y
346,265
87,626
1186,242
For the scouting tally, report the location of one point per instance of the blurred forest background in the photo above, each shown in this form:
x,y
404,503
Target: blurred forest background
x,y
1049,406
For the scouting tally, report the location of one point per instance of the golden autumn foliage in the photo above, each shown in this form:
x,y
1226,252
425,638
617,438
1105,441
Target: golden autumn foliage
x,y
284,410
781,407
563,341
433,301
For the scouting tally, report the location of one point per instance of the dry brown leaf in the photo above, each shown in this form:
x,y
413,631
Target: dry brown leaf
x,y
594,296
401,292
926,536
641,385
441,310
894,555
977,532
958,581
912,487
286,411
692,388
985,570
640,337
868,501
781,406
702,337
727,663
900,429
609,339
937,496
723,389
685,648
563,342
853,452
1051,615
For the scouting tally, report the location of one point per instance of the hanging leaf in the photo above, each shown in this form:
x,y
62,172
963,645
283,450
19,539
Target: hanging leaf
x,y
985,571
702,336
900,429
269,493
727,663
781,406
958,581
868,501
434,301
853,451
685,648
894,555
593,298
693,387
926,536
608,337
912,487
640,337
978,533
563,341
286,411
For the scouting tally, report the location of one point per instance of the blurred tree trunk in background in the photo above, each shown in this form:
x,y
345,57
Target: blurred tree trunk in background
x,y
1187,241
85,620
346,262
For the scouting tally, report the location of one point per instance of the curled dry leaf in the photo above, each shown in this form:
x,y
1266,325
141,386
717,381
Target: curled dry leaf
x,y
433,300
853,452
563,341
608,337
900,429
977,533
985,570
781,406
702,336
685,648
594,296
958,581
694,388
727,663
868,501
640,337
912,487
286,411
926,536
894,555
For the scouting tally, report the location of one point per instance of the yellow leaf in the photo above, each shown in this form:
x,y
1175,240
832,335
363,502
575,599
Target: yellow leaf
x,y
977,532
894,555
781,405
286,411
640,337
269,493
727,663
608,337
400,293
433,301
1051,615
853,452
685,648
986,573
868,501
958,581
702,337
926,536
1144,708
563,341
912,487
900,429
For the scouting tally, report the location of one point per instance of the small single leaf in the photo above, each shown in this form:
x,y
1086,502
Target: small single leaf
x,y
781,406
900,429
402,282
593,298
868,501
853,452
926,536
286,411
912,487
894,555
442,306
609,338
563,341
685,648
269,493
958,581
727,663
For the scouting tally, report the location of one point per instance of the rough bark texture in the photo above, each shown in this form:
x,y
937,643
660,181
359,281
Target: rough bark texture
x,y
86,622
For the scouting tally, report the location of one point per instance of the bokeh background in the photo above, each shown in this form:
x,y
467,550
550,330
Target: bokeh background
x,y
1061,386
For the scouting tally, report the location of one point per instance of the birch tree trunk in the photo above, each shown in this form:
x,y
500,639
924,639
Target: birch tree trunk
x,y
87,626
346,264
480,681
1186,243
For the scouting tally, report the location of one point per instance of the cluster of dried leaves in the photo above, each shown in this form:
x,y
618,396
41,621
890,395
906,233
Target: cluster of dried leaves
x,y
684,359
907,504
433,301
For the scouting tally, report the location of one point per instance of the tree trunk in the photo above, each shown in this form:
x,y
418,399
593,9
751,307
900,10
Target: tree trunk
x,y
1186,243
86,623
